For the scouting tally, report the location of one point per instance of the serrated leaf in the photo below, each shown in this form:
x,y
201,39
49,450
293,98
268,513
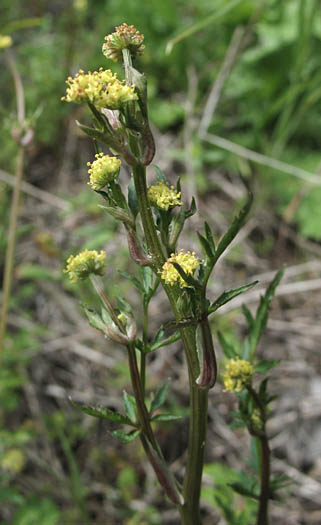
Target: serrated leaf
x,y
206,247
234,229
159,398
133,280
165,417
129,406
126,438
132,198
264,366
225,297
102,413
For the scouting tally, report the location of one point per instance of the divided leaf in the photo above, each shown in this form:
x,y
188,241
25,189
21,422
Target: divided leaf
x,y
102,413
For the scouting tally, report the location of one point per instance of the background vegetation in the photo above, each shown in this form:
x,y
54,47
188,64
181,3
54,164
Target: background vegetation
x,y
260,60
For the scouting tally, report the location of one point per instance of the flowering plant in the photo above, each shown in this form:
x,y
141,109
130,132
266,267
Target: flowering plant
x,y
120,122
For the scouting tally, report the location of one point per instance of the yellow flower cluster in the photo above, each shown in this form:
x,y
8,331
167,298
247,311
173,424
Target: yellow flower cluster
x,y
187,261
237,375
13,461
125,36
103,170
5,41
80,266
163,196
101,88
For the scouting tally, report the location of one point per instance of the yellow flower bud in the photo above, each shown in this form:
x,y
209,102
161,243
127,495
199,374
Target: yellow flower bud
x,y
103,170
80,266
187,261
238,373
163,196
125,36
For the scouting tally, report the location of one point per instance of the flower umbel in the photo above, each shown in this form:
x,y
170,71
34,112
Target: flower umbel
x,y
125,36
238,373
103,170
163,196
101,88
187,261
80,266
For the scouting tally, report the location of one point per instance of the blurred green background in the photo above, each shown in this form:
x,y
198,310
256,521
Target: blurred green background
x,y
263,59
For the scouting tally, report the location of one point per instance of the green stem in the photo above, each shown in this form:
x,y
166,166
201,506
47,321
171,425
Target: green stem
x,y
265,460
9,259
189,511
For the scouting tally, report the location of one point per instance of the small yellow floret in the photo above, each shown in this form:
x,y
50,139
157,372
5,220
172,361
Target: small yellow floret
x,y
187,261
238,373
13,461
125,36
80,266
163,196
101,88
103,170
5,41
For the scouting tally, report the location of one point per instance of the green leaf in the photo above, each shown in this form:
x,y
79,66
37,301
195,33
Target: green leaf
x,y
241,489
147,274
228,349
123,305
126,438
102,413
225,297
132,198
262,313
187,278
164,342
264,366
248,316
133,280
37,271
119,214
129,406
234,229
91,132
165,417
192,210
159,398
95,319
209,236
160,177
205,246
